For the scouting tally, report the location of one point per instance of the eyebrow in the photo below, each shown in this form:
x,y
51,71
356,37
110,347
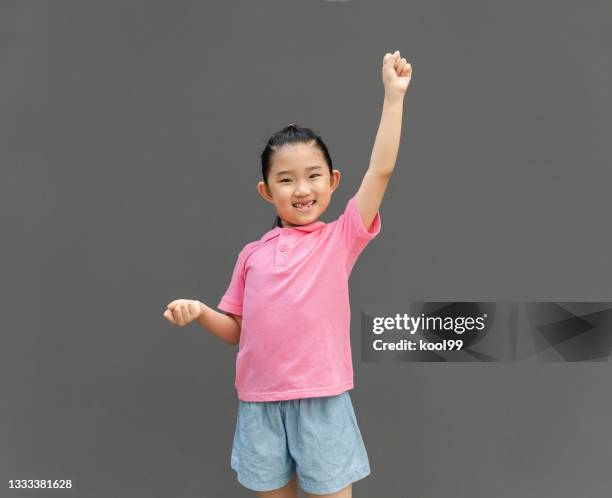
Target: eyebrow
x,y
288,171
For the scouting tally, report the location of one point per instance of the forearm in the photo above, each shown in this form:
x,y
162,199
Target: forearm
x,y
221,325
386,144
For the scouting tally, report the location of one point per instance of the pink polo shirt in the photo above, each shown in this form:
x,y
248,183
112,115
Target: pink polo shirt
x,y
291,289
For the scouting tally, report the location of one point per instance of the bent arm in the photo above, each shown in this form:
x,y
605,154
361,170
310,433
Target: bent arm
x,y
225,327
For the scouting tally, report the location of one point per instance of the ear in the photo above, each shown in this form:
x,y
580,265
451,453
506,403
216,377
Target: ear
x,y
264,191
334,181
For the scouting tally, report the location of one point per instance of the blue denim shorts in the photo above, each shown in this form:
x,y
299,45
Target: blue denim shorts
x,y
317,438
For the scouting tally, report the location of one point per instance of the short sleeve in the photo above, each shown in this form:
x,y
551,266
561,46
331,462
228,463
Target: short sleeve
x,y
232,299
352,232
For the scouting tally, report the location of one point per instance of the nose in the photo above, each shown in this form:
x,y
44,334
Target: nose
x,y
302,189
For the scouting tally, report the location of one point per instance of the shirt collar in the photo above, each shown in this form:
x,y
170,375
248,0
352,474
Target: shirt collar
x,y
276,231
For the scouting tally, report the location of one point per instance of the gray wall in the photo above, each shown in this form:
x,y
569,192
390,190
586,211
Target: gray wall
x,y
131,134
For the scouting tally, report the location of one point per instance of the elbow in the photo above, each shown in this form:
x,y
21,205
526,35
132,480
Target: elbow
x,y
235,340
231,342
382,174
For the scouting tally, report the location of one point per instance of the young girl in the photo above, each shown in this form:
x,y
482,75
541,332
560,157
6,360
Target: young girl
x,y
287,306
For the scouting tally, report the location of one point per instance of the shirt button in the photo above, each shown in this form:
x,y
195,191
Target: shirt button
x,y
282,248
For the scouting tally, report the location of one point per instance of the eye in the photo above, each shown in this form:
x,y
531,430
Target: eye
x,y
315,174
285,180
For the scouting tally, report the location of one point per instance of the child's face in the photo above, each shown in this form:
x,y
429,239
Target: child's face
x,y
293,178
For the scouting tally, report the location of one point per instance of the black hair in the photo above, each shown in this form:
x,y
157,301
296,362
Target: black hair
x,y
290,134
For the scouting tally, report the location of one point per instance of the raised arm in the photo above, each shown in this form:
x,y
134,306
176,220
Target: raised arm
x,y
396,74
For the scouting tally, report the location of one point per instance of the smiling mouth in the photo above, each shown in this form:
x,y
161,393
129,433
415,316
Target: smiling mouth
x,y
307,206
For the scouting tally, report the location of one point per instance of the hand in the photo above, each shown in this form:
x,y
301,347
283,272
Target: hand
x,y
182,311
396,74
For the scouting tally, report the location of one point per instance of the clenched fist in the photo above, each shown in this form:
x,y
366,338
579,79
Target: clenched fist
x,y
396,73
182,311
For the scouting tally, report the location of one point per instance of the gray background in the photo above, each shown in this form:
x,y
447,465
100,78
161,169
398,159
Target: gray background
x,y
131,134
